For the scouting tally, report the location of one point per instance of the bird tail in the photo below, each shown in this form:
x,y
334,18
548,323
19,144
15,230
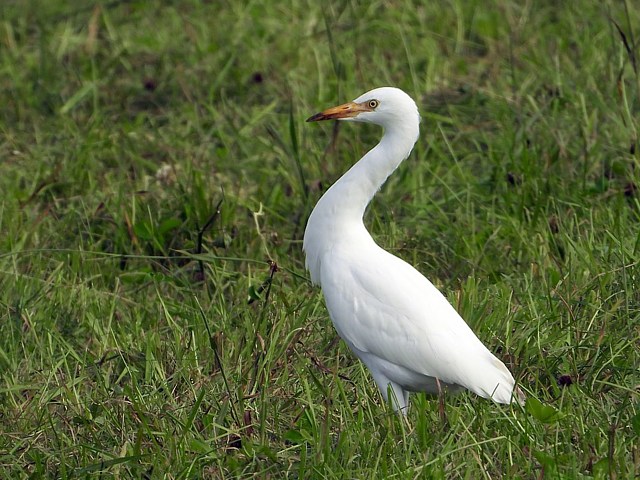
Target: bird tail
x,y
505,390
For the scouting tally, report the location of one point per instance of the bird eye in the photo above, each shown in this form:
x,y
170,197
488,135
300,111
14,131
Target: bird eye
x,y
373,104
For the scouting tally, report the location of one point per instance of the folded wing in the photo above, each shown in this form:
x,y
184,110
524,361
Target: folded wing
x,y
388,309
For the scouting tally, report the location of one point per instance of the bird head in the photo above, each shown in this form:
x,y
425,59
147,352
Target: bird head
x,y
385,106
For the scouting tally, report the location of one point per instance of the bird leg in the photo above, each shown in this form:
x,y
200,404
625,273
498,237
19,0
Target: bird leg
x,y
441,409
397,397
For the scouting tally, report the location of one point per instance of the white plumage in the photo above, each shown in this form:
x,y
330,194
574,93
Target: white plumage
x,y
388,313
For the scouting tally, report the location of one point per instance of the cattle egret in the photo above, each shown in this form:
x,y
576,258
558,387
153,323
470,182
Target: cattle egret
x,y
391,317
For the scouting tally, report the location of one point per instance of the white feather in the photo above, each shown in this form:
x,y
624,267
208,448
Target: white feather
x,y
388,313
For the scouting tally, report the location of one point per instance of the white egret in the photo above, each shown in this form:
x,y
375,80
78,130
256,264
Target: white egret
x,y
391,317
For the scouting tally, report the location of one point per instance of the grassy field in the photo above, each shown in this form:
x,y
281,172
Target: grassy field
x,y
156,173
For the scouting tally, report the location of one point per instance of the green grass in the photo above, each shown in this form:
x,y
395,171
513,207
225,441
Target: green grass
x,y
154,159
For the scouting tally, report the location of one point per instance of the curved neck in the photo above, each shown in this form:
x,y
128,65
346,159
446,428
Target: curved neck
x,y
337,217
347,199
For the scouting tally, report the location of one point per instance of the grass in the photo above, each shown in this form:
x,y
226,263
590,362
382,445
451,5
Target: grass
x,y
155,161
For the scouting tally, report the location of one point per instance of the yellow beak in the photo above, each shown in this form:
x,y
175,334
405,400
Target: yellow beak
x,y
346,110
